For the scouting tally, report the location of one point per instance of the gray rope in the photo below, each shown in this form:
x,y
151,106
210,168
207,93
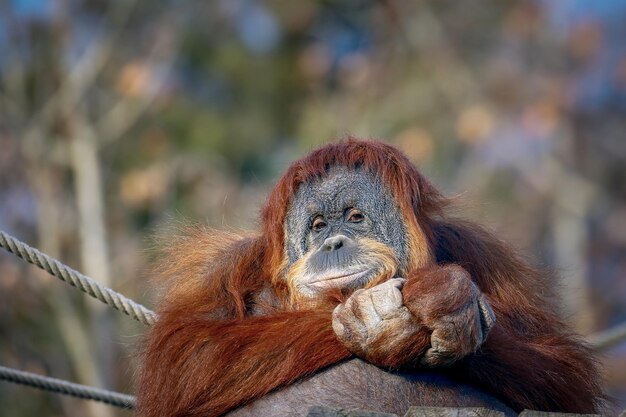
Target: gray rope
x,y
67,388
76,279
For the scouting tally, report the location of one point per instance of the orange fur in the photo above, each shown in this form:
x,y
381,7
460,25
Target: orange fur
x,y
420,254
386,257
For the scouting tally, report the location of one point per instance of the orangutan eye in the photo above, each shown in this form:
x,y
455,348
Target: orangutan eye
x,y
355,216
318,224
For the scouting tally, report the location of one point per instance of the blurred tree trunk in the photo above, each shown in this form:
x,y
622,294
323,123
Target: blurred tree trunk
x,y
93,242
55,125
572,203
79,345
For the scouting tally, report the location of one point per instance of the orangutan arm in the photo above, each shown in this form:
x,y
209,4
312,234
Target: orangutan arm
x,y
200,367
528,367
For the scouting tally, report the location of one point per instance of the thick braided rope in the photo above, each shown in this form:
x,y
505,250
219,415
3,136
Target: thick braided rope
x,y
76,279
67,388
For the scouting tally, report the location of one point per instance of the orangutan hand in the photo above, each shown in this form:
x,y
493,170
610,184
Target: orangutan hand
x,y
440,318
456,312
374,324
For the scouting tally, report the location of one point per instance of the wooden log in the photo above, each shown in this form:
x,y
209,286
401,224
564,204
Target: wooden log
x,y
532,413
320,411
452,412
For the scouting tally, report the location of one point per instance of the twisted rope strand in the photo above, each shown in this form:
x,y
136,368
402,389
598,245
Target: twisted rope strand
x,y
67,388
78,280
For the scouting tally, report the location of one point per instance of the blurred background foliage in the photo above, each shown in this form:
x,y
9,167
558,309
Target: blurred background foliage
x,y
118,118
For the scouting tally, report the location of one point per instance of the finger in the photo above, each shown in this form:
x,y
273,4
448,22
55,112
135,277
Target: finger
x,y
440,354
343,323
387,297
349,330
396,285
362,306
396,282
487,316
454,338
352,317
338,327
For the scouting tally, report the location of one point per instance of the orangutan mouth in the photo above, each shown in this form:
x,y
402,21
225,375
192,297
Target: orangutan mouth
x,y
340,279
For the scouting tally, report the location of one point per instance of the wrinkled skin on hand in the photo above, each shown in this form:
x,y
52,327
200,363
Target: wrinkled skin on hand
x,y
375,325
436,317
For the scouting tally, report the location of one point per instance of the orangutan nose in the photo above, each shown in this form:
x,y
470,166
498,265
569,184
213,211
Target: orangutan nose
x,y
334,243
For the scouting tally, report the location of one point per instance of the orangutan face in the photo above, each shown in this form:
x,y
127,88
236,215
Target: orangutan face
x,y
344,231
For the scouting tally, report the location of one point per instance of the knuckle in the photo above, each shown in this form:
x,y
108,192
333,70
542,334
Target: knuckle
x,y
338,328
338,312
344,316
360,305
358,293
355,300
397,296
359,297
404,314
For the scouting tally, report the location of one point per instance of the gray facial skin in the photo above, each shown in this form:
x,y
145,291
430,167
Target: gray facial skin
x,y
332,199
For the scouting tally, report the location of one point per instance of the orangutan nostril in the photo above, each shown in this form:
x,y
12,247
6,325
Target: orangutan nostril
x,y
334,243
